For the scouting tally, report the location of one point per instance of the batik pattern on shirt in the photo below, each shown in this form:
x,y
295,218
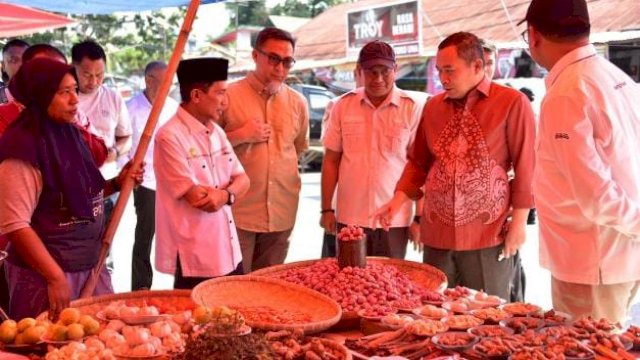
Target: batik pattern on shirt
x,y
465,183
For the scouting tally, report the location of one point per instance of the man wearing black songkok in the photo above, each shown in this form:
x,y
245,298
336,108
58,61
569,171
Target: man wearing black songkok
x,y
198,179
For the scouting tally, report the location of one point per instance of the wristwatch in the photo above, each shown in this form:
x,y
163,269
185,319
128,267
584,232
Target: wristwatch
x,y
232,197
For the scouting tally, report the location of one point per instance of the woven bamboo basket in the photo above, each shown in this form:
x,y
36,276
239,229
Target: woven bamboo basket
x,y
424,275
250,291
171,300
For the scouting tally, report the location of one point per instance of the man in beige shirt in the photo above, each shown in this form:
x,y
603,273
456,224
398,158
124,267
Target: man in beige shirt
x,y
366,144
267,123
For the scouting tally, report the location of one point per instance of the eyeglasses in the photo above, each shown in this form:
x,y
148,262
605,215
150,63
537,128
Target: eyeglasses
x,y
377,72
525,35
275,60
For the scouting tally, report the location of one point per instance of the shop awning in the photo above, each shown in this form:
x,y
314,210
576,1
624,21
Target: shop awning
x,y
102,6
18,20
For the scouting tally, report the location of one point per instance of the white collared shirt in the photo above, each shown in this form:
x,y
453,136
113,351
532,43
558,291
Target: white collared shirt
x,y
374,144
139,109
187,153
587,177
107,112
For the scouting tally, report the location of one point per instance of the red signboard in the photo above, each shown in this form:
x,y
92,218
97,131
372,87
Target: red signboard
x,y
397,24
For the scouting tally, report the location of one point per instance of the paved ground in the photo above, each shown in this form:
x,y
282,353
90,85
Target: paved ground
x,y
306,243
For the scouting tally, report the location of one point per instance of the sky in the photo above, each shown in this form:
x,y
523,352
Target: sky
x,y
211,21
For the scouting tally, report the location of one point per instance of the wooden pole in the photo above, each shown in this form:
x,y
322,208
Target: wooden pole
x,y
145,139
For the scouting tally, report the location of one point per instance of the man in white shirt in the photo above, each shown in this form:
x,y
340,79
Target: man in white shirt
x,y
587,168
366,144
105,108
11,62
144,196
198,179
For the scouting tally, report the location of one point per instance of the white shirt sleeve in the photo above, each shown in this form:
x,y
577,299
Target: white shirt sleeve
x,y
20,189
171,166
136,131
577,135
332,139
326,118
123,128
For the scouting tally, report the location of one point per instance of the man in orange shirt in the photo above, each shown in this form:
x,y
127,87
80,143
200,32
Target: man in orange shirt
x,y
367,139
267,123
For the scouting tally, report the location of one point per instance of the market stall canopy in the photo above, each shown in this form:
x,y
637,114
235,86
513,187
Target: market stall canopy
x,y
103,7
18,20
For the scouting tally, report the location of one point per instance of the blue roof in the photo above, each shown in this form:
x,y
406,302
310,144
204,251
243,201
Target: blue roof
x,y
102,6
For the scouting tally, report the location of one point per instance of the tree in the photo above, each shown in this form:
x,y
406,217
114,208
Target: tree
x,y
101,27
254,12
153,37
247,12
309,9
156,34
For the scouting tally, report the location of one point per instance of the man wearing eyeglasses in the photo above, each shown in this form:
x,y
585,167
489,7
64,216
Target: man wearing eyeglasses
x,y
11,62
366,144
587,167
469,137
268,124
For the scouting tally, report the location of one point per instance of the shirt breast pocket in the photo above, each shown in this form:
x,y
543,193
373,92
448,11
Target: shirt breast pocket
x,y
396,139
353,137
224,163
287,127
200,169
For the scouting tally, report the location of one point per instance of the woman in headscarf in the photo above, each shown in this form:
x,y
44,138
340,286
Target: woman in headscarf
x,y
50,195
10,112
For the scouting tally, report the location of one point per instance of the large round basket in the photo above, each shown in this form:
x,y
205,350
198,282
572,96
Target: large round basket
x,y
167,301
258,292
424,275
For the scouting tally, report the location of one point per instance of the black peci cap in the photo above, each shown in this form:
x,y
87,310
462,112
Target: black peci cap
x,y
207,69
559,17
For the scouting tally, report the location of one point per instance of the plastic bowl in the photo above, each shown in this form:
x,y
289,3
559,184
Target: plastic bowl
x,y
491,331
528,323
468,339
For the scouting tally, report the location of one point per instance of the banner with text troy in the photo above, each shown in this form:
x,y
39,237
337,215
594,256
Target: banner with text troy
x,y
397,24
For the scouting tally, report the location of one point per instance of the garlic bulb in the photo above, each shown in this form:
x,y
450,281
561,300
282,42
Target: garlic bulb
x,y
115,341
149,310
127,311
107,334
94,343
143,350
182,318
138,336
155,342
160,329
116,325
